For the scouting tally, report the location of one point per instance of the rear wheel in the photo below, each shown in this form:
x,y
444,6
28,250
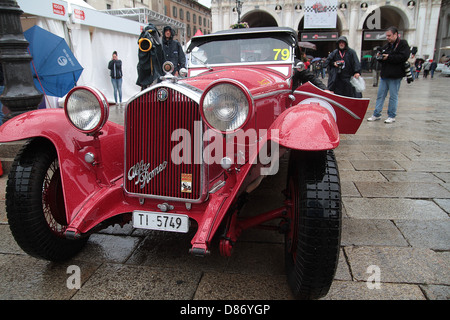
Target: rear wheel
x,y
313,241
35,204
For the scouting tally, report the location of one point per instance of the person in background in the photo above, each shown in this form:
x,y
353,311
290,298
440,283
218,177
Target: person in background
x,y
433,68
375,65
115,66
343,64
393,57
418,66
426,68
173,51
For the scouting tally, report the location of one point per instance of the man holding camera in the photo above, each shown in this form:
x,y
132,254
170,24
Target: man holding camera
x,y
343,63
392,57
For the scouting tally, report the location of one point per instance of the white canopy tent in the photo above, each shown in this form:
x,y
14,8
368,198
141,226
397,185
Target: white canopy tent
x,y
93,36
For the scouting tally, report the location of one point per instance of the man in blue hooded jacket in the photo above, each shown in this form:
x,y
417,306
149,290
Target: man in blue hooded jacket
x,y
173,51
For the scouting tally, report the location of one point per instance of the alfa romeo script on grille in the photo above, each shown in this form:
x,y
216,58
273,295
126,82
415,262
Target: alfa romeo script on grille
x,y
140,172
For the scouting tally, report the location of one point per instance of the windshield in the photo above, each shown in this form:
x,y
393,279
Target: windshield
x,y
260,50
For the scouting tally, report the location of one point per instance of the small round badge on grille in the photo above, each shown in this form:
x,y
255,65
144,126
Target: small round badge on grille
x,y
162,94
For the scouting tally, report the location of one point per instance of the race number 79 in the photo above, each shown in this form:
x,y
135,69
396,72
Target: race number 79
x,y
281,53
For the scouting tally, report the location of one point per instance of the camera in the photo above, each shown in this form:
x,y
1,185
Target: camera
x,y
409,77
340,64
379,55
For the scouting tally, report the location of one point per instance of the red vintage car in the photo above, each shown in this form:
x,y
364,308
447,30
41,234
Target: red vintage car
x,y
189,152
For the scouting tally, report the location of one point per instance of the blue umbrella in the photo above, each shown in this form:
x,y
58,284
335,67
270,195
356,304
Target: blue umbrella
x,y
55,69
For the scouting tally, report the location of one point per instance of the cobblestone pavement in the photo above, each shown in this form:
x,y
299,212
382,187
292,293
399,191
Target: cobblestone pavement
x,y
396,198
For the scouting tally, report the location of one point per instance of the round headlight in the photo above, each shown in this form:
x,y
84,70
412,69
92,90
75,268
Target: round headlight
x,y
225,107
86,108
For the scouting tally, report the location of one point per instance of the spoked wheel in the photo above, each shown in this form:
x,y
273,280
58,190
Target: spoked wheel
x,y
313,241
35,204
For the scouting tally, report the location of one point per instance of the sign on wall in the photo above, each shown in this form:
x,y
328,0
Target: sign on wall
x,y
320,14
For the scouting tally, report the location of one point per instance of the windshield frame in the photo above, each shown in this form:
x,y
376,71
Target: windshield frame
x,y
287,35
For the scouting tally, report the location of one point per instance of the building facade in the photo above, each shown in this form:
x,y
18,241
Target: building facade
x,y
443,34
155,5
362,21
191,15
196,16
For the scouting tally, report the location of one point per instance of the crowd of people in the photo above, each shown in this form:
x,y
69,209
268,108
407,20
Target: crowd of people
x,y
388,65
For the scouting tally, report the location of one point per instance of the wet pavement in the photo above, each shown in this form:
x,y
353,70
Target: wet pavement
x,y
396,228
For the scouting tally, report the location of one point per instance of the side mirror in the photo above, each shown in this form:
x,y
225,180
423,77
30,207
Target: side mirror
x,y
300,66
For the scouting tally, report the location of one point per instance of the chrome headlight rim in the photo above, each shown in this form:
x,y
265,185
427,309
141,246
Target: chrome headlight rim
x,y
98,99
242,88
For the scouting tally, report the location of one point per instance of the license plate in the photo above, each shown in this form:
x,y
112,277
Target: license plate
x,y
160,221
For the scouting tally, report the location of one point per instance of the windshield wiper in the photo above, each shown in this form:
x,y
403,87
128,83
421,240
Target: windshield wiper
x,y
202,62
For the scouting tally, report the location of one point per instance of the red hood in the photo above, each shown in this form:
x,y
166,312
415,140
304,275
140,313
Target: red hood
x,y
258,80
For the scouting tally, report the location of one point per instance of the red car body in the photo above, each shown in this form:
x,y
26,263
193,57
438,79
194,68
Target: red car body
x,y
132,169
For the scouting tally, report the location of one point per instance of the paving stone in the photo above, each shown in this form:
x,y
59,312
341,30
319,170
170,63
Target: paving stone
x,y
348,189
27,278
433,234
416,190
351,175
444,176
7,242
230,286
444,204
3,218
363,208
371,232
399,264
254,258
433,292
108,248
351,290
166,250
426,166
342,270
385,155
125,282
370,165
396,176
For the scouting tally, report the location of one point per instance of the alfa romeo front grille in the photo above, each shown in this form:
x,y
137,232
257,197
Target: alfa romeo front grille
x,y
150,121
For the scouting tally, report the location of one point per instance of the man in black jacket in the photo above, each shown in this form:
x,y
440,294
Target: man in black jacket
x,y
172,50
393,57
343,63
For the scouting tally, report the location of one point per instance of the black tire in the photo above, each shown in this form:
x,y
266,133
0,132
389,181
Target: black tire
x,y
313,242
35,204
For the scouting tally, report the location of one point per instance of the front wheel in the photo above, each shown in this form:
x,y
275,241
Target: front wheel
x,y
35,204
312,243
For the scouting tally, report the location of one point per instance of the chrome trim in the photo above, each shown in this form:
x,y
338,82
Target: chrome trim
x,y
188,90
273,93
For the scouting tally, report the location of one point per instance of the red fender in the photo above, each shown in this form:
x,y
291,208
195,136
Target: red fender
x,y
80,179
349,111
305,127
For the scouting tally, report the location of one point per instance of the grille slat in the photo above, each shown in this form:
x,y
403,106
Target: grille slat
x,y
149,127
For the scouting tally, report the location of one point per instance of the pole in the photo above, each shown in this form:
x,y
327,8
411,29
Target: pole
x,y
20,95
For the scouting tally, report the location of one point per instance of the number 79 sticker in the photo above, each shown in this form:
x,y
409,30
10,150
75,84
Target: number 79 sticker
x,y
281,54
